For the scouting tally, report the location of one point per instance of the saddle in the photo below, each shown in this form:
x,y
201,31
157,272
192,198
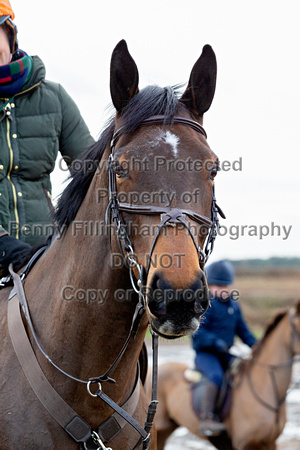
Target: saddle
x,y
223,403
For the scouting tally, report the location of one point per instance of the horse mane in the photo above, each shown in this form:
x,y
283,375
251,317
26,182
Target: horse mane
x,y
270,327
150,101
73,195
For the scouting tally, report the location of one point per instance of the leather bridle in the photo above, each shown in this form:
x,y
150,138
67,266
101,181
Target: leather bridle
x,y
73,424
169,216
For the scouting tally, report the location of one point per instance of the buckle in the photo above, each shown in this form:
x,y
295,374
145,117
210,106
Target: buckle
x,y
6,281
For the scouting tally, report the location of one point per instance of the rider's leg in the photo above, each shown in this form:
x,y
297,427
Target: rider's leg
x,y
206,392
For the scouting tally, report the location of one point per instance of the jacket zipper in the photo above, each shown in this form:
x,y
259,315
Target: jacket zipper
x,y
22,92
27,90
8,177
11,163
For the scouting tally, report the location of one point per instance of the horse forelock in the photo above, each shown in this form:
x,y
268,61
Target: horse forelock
x,y
151,101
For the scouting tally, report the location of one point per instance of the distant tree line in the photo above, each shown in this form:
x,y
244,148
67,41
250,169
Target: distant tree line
x,y
274,261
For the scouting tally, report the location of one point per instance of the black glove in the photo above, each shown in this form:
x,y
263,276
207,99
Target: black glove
x,y
11,250
221,346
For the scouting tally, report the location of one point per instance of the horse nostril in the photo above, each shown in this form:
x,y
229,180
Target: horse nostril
x,y
201,302
156,299
198,307
158,284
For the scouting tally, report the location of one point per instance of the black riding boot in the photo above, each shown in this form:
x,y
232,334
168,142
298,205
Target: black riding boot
x,y
204,400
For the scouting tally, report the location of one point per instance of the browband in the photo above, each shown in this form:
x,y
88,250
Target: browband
x,y
161,120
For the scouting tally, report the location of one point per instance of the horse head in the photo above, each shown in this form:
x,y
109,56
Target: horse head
x,y
162,171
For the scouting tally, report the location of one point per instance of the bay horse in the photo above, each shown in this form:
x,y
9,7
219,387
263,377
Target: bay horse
x,y
257,412
127,202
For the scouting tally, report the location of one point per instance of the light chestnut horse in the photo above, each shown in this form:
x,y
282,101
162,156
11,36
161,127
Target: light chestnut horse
x,y
258,411
81,299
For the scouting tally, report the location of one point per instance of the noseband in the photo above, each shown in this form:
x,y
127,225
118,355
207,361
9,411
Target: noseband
x,y
169,216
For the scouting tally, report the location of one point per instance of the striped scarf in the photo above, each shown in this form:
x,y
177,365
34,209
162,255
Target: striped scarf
x,y
14,75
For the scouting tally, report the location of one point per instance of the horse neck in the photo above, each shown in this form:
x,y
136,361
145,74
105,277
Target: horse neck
x,y
258,414
274,359
85,337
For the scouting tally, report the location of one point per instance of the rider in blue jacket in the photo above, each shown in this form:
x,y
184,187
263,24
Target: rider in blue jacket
x,y
212,341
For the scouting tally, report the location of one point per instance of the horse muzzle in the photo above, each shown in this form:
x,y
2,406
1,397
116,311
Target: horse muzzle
x,y
176,312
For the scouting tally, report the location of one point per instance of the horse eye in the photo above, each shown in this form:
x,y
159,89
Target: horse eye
x,y
119,170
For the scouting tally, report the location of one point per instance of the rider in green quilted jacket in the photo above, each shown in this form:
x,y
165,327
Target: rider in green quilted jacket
x,y
38,119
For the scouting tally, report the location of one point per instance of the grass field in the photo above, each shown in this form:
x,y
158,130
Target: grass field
x,y
265,290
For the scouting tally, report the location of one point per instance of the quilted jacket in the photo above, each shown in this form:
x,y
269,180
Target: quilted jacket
x,y
38,123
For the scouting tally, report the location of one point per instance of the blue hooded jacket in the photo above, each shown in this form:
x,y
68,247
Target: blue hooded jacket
x,y
222,322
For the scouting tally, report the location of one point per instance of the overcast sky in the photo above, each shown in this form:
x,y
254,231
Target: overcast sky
x,y
255,115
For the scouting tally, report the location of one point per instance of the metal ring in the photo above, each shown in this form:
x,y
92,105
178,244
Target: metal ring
x,y
130,250
89,391
137,290
132,260
201,255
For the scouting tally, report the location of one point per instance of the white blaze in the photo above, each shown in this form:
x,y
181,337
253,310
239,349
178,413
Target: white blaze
x,y
168,138
172,140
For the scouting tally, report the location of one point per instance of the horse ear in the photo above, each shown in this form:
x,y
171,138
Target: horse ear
x,y
200,91
124,76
